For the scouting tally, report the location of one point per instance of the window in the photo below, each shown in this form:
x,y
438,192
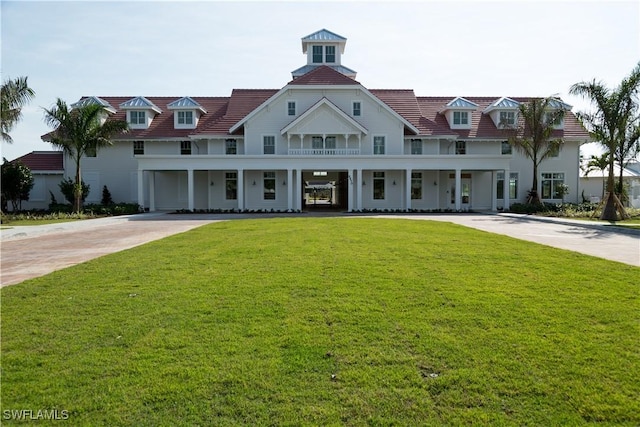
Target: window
x,y
461,147
185,117
269,144
460,117
378,185
137,117
231,185
316,143
416,185
317,54
269,184
185,148
357,108
507,118
552,184
230,146
554,150
91,151
513,185
416,146
378,145
507,149
330,54
330,143
555,117
138,147
291,108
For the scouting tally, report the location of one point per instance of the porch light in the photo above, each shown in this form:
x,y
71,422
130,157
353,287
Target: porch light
x,y
212,183
254,182
364,183
435,183
284,182
394,182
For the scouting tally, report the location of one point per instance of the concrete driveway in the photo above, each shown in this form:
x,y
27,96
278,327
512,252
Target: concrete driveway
x,y
34,251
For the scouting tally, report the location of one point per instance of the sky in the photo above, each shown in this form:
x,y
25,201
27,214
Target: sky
x,y
207,48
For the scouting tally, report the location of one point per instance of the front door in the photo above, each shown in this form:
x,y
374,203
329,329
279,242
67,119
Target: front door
x,y
465,200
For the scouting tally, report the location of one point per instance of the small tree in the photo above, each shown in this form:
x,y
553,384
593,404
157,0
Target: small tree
x,y
106,197
17,182
599,163
68,189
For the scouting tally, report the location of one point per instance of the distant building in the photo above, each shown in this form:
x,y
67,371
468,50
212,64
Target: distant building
x,y
371,148
593,184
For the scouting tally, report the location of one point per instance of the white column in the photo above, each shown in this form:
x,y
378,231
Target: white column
x,y
458,189
152,191
507,179
359,189
408,188
494,190
240,192
290,188
190,191
297,189
141,187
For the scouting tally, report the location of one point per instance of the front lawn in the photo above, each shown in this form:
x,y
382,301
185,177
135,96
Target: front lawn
x,y
336,321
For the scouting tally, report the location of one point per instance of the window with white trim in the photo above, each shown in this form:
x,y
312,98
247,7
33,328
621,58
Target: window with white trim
x,y
356,108
378,185
460,117
416,185
185,117
137,117
269,144
231,185
507,118
138,147
91,151
461,147
551,183
317,143
231,147
330,54
185,148
513,185
506,148
378,144
317,54
291,108
269,185
416,146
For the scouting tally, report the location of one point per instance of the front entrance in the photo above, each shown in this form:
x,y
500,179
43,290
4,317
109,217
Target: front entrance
x,y
465,191
325,190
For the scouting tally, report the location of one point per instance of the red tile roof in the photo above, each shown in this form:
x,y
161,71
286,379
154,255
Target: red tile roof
x,y
422,112
323,75
42,161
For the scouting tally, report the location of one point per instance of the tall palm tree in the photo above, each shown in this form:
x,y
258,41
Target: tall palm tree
x,y
533,135
80,131
611,124
14,95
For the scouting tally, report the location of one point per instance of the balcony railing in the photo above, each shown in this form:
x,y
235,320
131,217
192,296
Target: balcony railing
x,y
324,151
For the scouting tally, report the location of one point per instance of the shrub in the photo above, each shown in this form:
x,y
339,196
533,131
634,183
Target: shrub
x,y
106,196
67,189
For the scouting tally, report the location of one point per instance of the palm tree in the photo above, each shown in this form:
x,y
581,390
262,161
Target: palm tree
x,y
611,124
80,131
14,94
533,135
597,163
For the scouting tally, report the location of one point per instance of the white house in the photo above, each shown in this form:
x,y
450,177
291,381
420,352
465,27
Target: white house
x,y
593,183
374,148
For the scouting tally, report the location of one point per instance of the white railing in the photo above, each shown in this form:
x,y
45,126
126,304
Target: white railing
x,y
324,151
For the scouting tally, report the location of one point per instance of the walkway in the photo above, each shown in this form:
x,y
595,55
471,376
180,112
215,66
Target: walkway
x,y
34,251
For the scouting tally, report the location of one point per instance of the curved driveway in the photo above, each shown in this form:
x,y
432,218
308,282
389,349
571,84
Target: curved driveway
x,y
34,251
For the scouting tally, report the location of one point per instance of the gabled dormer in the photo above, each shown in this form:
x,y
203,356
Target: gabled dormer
x,y
186,113
324,48
140,112
554,105
503,112
94,100
458,113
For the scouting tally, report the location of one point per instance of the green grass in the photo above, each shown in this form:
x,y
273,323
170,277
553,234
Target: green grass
x,y
245,323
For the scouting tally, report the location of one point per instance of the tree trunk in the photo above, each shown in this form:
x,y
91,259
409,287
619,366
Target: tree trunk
x,y
534,196
612,205
78,189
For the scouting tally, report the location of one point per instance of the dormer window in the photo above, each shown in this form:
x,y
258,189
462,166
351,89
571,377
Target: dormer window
x,y
323,54
508,118
185,117
291,108
330,54
317,54
137,117
187,112
458,113
460,118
